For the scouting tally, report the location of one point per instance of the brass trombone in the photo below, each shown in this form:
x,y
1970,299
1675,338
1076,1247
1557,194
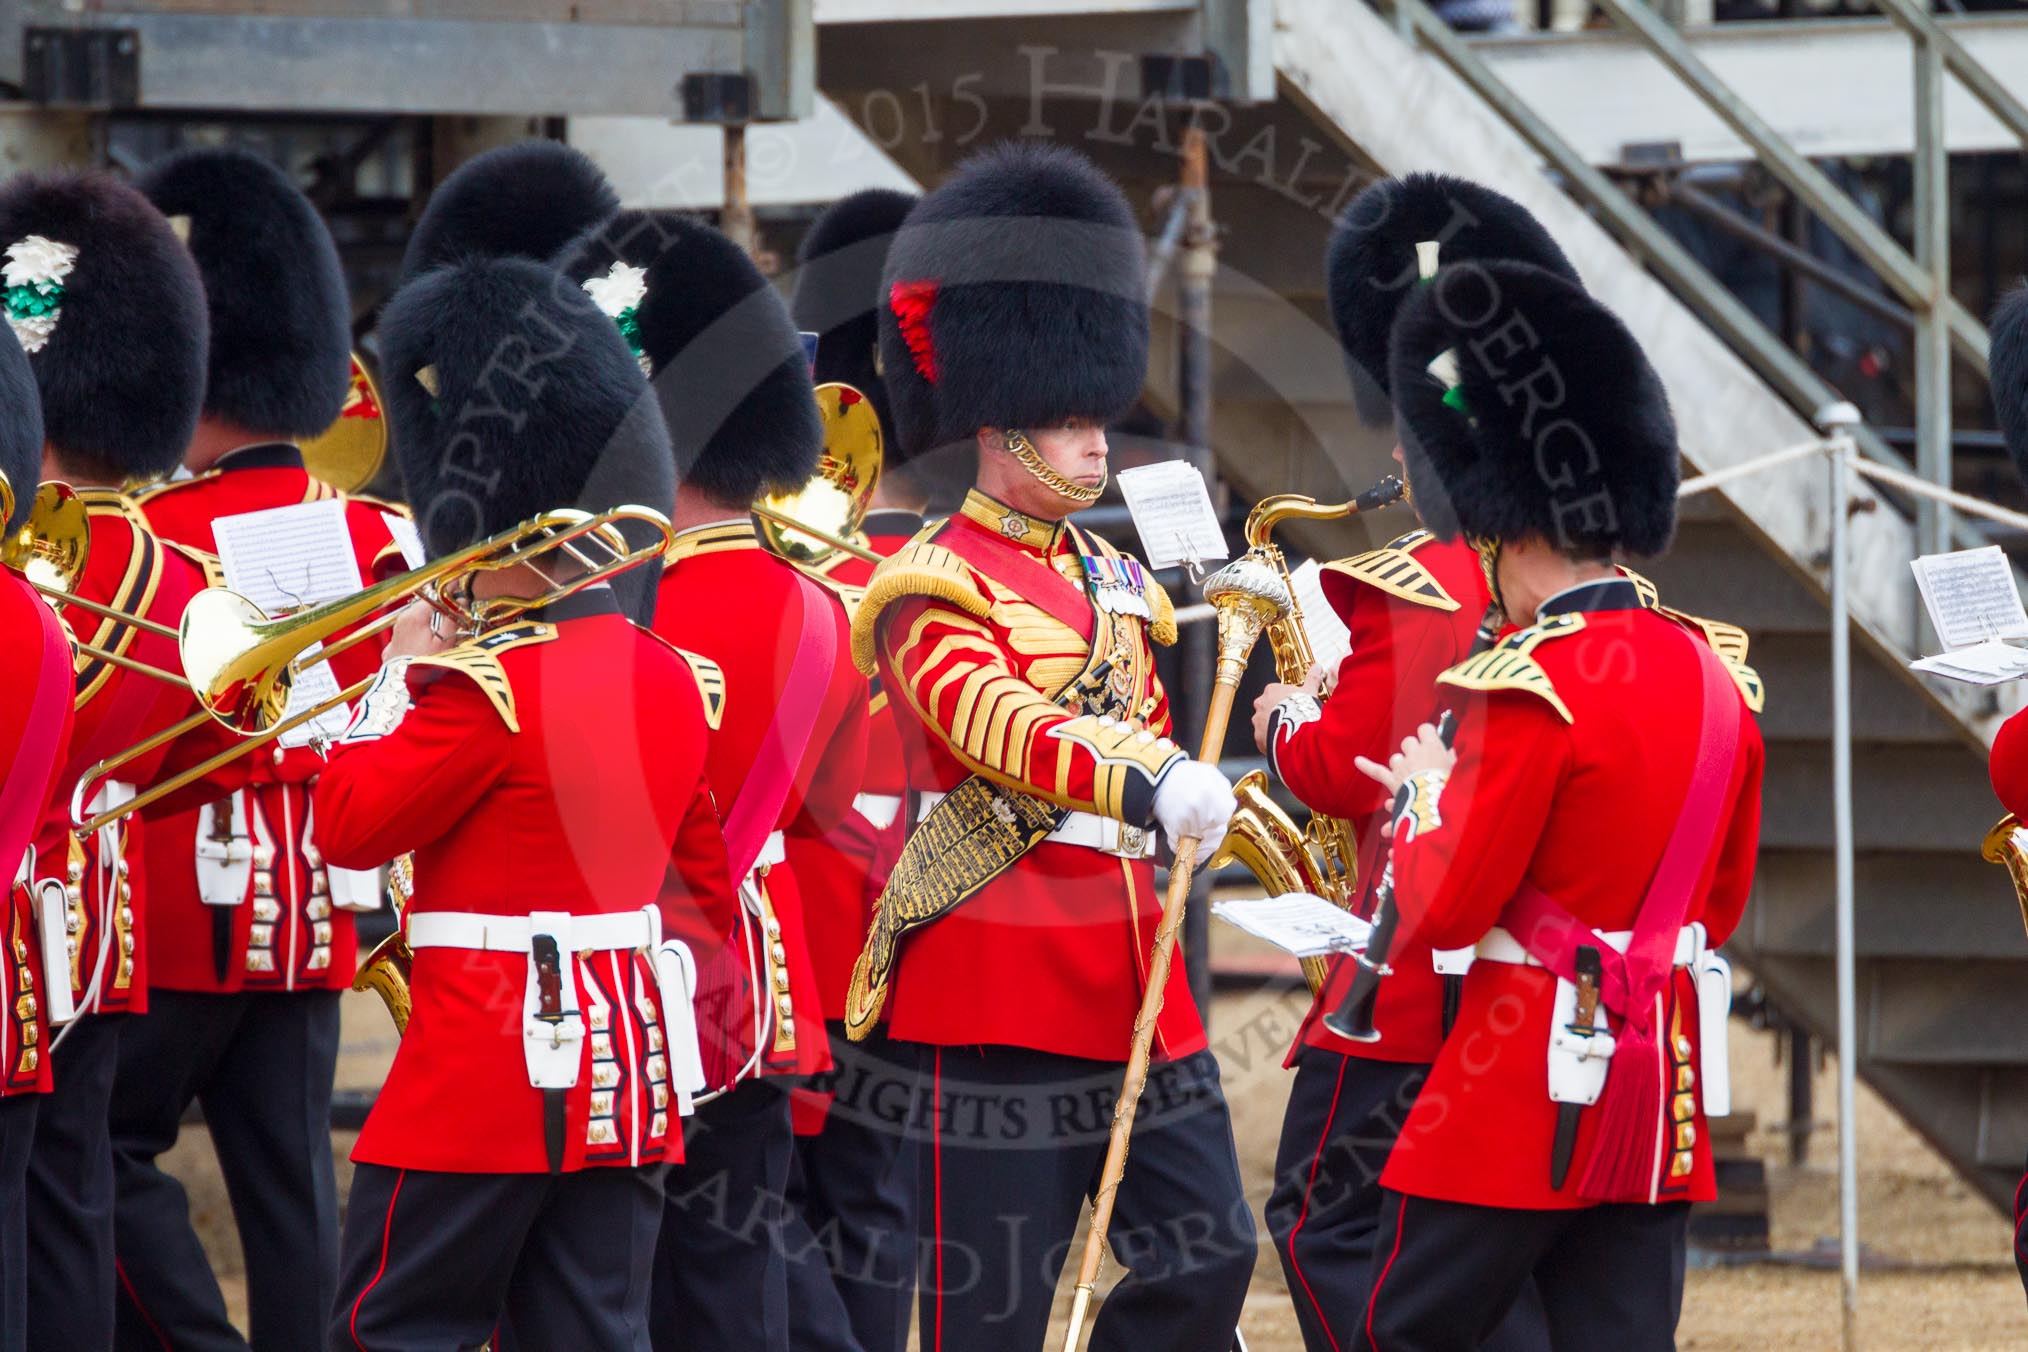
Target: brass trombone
x,y
242,664
50,551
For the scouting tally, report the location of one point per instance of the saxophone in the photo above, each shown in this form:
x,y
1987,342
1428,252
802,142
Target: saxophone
x,y
2007,845
1321,857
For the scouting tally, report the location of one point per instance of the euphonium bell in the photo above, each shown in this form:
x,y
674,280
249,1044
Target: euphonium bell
x,y
822,517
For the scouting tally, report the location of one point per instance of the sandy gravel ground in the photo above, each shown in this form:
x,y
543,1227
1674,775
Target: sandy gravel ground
x,y
1944,1279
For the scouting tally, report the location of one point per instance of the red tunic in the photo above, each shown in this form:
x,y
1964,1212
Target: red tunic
x,y
1581,807
2009,765
726,598
33,747
130,568
286,934
597,804
1053,953
840,872
1413,608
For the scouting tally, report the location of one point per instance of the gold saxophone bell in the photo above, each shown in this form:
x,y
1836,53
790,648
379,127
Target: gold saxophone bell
x,y
347,454
386,972
2007,845
822,518
242,664
1321,857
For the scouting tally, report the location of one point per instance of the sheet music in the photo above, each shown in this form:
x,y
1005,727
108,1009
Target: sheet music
x,y
1172,511
1981,664
1971,596
1297,922
287,558
406,538
284,559
313,685
1330,640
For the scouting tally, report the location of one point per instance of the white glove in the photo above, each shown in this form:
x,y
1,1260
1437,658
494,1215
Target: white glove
x,y
1194,799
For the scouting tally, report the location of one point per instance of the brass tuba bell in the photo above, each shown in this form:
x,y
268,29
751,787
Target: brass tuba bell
x,y
822,518
347,454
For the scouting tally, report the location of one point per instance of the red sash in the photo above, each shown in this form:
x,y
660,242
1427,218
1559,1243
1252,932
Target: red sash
x,y
23,788
728,1000
1552,935
1024,574
758,809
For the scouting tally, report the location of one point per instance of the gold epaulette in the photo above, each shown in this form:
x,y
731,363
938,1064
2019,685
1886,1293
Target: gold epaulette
x,y
919,568
710,678
214,571
848,594
147,492
1510,664
1394,569
1729,641
1650,595
479,659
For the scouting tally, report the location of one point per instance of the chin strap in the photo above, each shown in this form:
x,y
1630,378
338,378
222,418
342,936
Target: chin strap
x,y
1489,564
1031,460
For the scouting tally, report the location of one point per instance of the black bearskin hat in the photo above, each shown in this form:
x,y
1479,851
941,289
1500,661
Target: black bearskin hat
x,y
281,323
20,430
2009,365
511,395
718,343
1525,407
526,200
838,293
1014,296
108,304
1371,266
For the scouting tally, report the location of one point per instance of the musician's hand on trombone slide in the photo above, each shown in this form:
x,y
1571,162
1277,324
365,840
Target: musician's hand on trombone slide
x,y
1424,751
1276,693
421,630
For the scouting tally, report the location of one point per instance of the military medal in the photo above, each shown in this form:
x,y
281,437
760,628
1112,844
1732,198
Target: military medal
x,y
1118,586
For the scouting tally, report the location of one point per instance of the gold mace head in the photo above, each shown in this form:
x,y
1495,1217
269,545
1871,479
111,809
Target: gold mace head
x,y
1250,594
1250,582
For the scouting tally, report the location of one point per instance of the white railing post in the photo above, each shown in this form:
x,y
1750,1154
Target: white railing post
x,y
1837,422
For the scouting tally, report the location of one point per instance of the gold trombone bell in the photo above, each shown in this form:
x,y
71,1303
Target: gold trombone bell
x,y
242,664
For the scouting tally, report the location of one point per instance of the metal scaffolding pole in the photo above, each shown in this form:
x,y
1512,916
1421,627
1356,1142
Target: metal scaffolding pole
x,y
1199,264
1932,321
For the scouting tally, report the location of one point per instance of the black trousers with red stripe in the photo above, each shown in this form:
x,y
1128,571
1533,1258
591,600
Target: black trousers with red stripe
x,y
438,1262
852,1286
1324,1213
71,1268
1015,1143
1445,1273
261,1064
17,1135
721,1284
2021,1230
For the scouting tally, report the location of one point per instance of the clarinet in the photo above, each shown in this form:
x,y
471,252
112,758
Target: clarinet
x,y
1353,1018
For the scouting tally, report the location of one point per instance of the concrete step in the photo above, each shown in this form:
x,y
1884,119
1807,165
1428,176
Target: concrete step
x,y
1940,904
1917,797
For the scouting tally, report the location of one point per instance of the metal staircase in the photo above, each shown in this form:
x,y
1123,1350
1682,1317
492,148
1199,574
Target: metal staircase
x,y
1943,1000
